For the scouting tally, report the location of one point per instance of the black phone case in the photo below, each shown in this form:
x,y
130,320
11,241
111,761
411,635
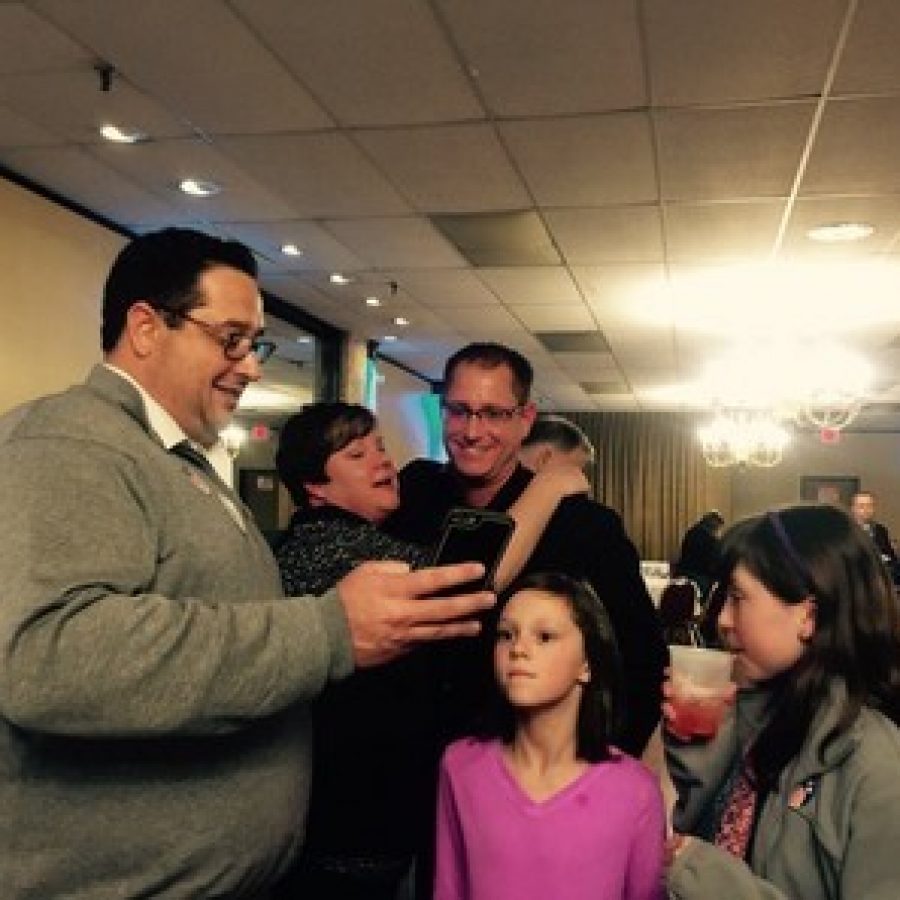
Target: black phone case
x,y
474,535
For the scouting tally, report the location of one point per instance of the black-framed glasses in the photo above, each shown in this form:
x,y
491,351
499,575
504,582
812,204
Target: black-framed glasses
x,y
460,414
235,344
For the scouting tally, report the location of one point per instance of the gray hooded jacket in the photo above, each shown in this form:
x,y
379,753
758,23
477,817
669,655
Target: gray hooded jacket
x,y
831,830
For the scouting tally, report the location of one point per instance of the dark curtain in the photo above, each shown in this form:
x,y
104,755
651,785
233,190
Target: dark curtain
x,y
649,468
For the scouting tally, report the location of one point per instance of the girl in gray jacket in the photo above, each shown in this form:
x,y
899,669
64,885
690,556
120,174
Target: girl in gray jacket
x,y
798,794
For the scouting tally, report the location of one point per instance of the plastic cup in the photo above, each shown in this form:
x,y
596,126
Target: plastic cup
x,y
699,681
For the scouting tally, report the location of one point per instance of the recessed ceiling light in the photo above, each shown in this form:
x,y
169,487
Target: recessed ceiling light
x,y
400,320
838,232
291,250
196,187
373,301
122,135
338,278
304,339
390,337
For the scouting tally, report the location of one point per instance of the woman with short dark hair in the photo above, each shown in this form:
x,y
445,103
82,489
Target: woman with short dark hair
x,y
373,735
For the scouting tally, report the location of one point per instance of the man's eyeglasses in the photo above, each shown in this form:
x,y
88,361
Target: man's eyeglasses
x,y
235,344
460,414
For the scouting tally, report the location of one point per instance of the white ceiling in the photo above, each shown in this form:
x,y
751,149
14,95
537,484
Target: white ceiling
x,y
597,162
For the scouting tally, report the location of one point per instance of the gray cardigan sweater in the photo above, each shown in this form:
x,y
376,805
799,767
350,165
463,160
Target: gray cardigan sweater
x,y
154,681
831,830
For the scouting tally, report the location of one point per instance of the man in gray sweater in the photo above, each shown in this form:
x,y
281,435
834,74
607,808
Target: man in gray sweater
x,y
154,681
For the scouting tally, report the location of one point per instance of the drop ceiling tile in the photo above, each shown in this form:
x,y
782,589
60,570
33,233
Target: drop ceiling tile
x,y
447,169
711,154
76,176
584,161
441,289
733,231
613,234
391,303
395,243
29,43
615,402
20,131
856,149
525,285
570,398
293,289
382,62
72,105
320,175
870,63
159,166
714,52
320,251
588,366
619,294
499,239
240,87
554,318
882,213
362,284
423,327
613,387
644,355
477,321
427,328
315,305
546,58
534,351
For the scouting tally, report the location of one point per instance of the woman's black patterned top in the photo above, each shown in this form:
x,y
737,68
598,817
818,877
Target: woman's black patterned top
x,y
322,545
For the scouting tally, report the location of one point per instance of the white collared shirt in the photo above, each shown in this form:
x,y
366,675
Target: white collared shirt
x,y
171,433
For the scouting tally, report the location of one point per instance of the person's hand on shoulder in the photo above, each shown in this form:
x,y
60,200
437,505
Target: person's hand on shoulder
x,y
390,608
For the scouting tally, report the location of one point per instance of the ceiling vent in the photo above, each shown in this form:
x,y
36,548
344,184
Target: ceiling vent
x,y
573,341
603,388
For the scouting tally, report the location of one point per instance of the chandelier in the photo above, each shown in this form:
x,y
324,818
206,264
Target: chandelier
x,y
743,437
754,388
830,387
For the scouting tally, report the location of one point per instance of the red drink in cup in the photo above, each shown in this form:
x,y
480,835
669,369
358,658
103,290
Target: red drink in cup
x,y
699,686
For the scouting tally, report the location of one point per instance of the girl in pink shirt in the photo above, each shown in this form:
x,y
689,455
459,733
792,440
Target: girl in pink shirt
x,y
538,805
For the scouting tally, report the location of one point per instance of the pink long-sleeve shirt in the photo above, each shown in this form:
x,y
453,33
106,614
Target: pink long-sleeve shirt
x,y
599,838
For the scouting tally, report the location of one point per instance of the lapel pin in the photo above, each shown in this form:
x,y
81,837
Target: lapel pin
x,y
801,794
199,481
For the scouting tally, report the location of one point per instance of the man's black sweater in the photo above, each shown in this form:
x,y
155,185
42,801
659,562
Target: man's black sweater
x,y
583,539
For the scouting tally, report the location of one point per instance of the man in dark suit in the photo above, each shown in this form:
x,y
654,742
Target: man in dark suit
x,y
862,508
487,415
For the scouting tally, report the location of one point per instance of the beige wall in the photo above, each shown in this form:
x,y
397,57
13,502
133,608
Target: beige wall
x,y
52,267
872,457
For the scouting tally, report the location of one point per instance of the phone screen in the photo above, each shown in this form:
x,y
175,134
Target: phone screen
x,y
474,536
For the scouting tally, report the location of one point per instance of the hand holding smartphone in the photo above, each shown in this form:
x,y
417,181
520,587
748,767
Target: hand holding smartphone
x,y
474,535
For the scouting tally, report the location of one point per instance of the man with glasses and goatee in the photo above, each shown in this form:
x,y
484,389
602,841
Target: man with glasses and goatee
x,y
154,681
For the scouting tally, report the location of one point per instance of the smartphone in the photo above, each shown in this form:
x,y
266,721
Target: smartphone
x,y
474,535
